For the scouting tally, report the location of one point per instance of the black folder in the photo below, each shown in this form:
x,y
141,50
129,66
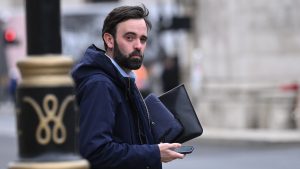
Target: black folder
x,y
165,127
179,104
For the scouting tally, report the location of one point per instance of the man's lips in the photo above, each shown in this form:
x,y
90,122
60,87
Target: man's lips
x,y
136,56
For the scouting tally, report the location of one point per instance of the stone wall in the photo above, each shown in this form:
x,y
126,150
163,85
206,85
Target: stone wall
x,y
252,43
250,40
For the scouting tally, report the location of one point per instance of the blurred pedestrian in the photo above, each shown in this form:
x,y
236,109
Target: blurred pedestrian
x,y
12,84
170,75
115,128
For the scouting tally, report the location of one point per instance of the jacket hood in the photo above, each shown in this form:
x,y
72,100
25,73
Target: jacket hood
x,y
94,62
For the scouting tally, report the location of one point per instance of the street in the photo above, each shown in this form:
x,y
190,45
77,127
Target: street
x,y
237,155
8,150
208,153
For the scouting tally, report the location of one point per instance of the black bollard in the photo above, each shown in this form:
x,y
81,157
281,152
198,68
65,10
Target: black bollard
x,y
43,27
47,116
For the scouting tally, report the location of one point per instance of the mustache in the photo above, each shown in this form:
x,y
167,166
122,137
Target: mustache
x,y
136,53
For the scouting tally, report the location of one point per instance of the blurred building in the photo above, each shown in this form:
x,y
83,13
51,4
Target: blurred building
x,y
250,52
238,59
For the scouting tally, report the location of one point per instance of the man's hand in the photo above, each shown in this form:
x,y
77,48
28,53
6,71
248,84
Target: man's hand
x,y
166,152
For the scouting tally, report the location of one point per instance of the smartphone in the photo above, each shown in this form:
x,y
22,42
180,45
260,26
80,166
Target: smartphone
x,y
184,149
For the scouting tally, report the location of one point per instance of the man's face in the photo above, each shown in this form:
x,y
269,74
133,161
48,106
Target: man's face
x,y
130,43
128,61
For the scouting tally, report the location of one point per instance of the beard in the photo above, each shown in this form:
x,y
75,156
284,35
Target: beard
x,y
128,62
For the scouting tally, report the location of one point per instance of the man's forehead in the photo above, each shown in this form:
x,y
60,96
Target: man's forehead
x,y
133,25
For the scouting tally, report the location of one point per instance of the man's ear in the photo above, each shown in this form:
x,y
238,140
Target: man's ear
x,y
109,40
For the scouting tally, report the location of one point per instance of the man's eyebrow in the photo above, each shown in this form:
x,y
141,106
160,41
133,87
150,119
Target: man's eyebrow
x,y
133,33
129,33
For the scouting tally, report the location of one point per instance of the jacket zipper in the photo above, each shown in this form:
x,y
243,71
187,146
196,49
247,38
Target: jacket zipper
x,y
148,114
138,120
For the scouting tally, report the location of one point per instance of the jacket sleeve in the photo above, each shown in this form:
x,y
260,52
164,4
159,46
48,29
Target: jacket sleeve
x,y
97,119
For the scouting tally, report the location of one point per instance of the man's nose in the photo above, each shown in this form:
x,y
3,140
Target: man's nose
x,y
138,45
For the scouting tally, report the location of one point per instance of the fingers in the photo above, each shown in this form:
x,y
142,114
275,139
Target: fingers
x,y
167,153
176,155
170,145
174,145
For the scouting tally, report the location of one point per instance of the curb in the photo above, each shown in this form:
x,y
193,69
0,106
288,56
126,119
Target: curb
x,y
252,135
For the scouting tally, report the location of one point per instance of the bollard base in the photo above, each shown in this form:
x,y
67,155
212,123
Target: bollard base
x,y
80,164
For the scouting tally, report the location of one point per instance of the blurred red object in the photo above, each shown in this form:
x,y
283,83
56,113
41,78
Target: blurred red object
x,y
290,87
10,35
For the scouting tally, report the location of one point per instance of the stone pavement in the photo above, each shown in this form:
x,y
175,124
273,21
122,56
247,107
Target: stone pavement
x,y
8,128
7,119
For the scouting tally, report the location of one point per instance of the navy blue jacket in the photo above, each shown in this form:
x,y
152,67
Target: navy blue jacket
x,y
115,128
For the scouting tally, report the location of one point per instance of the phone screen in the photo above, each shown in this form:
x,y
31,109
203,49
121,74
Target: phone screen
x,y
184,149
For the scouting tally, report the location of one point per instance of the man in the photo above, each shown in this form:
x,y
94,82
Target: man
x,y
115,127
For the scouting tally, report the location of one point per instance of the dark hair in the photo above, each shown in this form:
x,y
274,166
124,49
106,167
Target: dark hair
x,y
122,14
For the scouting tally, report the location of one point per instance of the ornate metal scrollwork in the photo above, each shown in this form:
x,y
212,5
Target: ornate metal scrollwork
x,y
52,113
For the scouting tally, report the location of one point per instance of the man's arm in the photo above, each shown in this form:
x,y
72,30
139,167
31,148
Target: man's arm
x,y
97,122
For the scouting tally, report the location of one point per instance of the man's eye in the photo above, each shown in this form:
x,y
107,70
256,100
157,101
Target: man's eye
x,y
129,38
143,40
